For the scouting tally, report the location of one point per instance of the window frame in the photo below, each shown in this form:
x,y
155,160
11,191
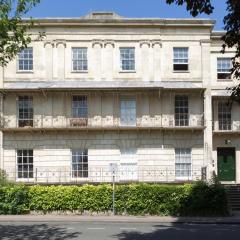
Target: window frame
x,y
17,165
79,60
224,73
180,177
178,121
80,172
72,108
177,61
31,120
133,60
23,59
120,112
224,122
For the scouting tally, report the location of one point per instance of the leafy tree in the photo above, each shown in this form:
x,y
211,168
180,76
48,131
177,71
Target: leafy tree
x,y
231,38
13,32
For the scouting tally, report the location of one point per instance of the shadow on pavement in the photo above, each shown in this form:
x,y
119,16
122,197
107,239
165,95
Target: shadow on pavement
x,y
36,232
184,231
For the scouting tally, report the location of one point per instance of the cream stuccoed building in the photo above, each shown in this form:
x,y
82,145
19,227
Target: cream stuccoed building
x,y
143,99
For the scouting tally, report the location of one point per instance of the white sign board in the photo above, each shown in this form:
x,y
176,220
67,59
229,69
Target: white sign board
x,y
113,167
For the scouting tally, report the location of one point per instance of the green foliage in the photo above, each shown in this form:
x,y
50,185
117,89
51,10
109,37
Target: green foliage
x,y
3,177
134,199
14,200
87,197
13,34
205,200
195,7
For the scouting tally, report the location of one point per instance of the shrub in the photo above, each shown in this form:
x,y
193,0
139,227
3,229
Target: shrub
x,y
197,199
14,200
3,177
205,200
87,197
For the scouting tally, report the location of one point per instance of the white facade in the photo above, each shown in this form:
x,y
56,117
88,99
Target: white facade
x,y
79,100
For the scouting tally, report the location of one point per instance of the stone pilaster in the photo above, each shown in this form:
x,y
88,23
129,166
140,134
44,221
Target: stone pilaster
x,y
208,135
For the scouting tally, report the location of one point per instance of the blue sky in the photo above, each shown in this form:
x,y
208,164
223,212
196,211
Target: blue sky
x,y
127,8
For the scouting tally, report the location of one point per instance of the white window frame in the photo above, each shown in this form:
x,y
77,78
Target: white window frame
x,y
80,60
80,107
181,60
84,153
30,106
122,123
181,113
224,70
131,61
189,177
28,59
24,178
225,112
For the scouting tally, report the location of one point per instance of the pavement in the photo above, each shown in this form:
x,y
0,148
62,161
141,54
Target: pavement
x,y
119,219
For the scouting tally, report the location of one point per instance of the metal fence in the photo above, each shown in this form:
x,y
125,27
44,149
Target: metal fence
x,y
103,175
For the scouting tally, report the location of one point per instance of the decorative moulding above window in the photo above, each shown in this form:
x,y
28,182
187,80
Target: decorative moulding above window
x,y
156,42
60,42
109,42
97,42
49,43
145,42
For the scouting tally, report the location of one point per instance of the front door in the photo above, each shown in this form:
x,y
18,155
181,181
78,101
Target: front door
x,y
226,164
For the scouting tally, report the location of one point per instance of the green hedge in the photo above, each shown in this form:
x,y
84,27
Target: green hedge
x,y
14,200
197,199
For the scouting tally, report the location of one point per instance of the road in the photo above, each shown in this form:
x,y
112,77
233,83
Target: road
x,y
117,231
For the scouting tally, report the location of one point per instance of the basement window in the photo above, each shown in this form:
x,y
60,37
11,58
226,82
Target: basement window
x,y
180,59
183,163
25,163
80,163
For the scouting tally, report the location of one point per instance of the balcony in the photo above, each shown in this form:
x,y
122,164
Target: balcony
x,y
163,121
226,127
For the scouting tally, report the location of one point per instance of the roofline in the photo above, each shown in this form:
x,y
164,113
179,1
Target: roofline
x,y
217,35
133,22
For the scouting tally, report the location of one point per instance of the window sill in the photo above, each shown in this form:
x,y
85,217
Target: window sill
x,y
80,71
183,71
24,71
127,71
75,179
224,80
25,180
184,178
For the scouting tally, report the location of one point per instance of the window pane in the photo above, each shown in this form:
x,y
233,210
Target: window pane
x,y
224,116
183,162
128,112
80,163
79,107
181,111
180,55
25,163
127,58
25,111
25,59
224,65
79,59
